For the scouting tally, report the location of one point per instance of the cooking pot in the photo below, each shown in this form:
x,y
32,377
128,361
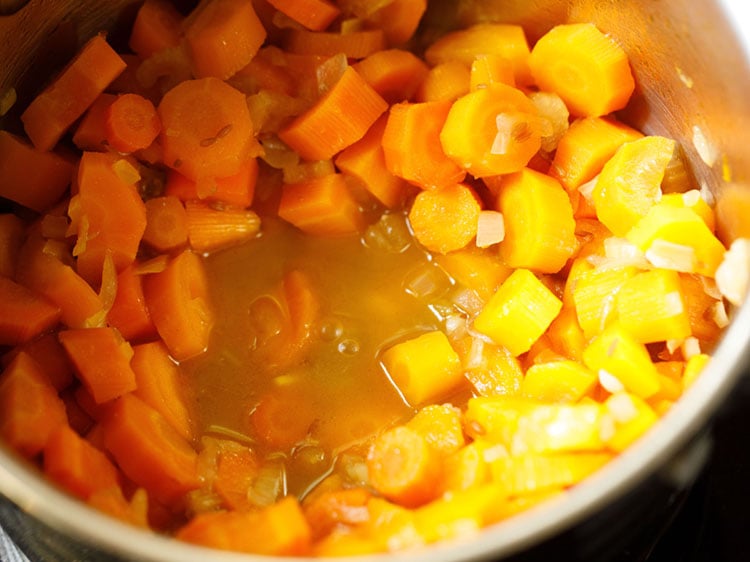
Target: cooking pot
x,y
690,59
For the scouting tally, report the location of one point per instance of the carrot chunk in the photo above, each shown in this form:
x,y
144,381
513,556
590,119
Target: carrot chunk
x,y
211,229
49,353
315,15
91,133
54,110
131,123
166,224
157,26
395,74
23,313
355,44
129,313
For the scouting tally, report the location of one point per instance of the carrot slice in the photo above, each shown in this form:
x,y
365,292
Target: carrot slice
x,y
23,313
395,74
315,15
30,409
31,177
206,128
355,44
166,224
337,120
101,359
411,145
271,421
157,26
236,469
222,36
51,357
211,229
129,313
91,134
131,123
54,110
398,19
177,299
237,190
447,81
149,451
76,465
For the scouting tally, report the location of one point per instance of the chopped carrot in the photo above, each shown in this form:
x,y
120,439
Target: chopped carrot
x,y
91,134
237,467
491,69
271,421
149,451
278,530
129,313
101,359
166,224
585,67
54,110
732,206
30,409
206,129
32,177
339,119
78,420
112,502
332,508
95,411
237,190
23,313
177,299
131,123
76,465
51,357
490,369
395,74
12,232
398,19
107,214
492,131
365,160
315,15
157,26
211,229
159,385
440,424
355,45
447,81
404,467
322,206
701,307
411,145
445,219
222,36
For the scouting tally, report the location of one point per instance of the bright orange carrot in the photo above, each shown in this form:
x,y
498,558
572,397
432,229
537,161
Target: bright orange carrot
x,y
91,134
12,231
491,69
271,421
398,19
337,120
395,74
149,451
107,214
210,229
322,206
129,313
236,468
54,110
166,224
329,509
159,385
222,36
24,314
30,409
101,358
445,219
315,15
447,81
237,190
355,45
404,467
51,357
31,177
76,465
131,123
157,26
206,129
78,420
177,299
411,145
365,161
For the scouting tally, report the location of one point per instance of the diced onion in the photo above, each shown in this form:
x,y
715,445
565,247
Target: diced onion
x,y
690,348
587,189
490,228
733,274
669,255
720,316
609,382
705,149
622,408
476,354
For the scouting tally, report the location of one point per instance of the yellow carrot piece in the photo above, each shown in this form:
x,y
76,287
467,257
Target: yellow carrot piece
x,y
488,69
694,367
467,467
558,381
440,425
594,297
475,269
211,229
519,312
631,417
539,224
445,82
692,200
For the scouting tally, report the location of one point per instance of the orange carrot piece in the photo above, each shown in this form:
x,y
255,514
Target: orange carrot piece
x,y
411,145
222,36
315,15
445,219
322,206
129,313
76,465
160,385
51,357
177,299
355,45
55,109
112,502
337,120
206,128
211,229
331,508
272,423
101,359
445,82
236,469
78,420
108,214
398,19
91,134
365,161
395,74
12,231
95,411
157,26
34,178
491,69
404,467
237,190
280,529
166,224
24,314
30,409
131,123
149,451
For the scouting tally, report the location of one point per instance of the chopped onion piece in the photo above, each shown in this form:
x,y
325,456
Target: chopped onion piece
x,y
126,171
490,228
669,255
426,281
720,315
620,252
690,347
609,382
607,427
455,325
587,189
467,300
691,198
673,303
622,408
555,117
706,150
733,274
476,354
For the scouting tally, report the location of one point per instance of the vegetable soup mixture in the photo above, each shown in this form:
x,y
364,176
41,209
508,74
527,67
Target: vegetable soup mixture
x,y
284,277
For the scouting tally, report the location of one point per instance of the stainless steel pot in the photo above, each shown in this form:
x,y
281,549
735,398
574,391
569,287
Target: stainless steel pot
x,y
690,58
